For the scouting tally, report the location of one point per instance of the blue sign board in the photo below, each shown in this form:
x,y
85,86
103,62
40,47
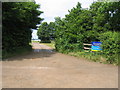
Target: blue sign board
x,y
96,46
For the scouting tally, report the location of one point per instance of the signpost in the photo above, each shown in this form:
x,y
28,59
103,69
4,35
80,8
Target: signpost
x,y
96,46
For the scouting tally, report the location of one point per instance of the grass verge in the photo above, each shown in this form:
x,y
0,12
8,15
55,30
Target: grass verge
x,y
91,56
34,41
52,44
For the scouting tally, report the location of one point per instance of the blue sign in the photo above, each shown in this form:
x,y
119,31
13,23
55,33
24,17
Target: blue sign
x,y
96,46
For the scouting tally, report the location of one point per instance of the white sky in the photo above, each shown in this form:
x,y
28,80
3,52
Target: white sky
x,y
34,34
54,8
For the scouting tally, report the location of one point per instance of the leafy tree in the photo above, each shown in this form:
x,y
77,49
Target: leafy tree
x,y
67,29
87,25
18,20
60,29
43,32
106,17
52,31
46,32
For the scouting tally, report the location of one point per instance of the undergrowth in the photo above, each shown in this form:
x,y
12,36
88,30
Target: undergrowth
x,y
17,51
92,56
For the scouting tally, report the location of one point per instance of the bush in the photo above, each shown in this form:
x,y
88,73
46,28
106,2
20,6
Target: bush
x,y
110,46
64,46
17,21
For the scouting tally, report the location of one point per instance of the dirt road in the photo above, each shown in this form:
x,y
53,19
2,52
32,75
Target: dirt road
x,y
44,68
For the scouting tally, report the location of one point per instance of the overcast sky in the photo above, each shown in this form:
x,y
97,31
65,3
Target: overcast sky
x,y
54,8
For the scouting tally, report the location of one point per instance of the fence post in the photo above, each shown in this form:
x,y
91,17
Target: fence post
x,y
86,44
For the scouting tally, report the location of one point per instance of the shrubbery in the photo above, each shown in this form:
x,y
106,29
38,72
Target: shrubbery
x,y
98,23
110,46
18,20
88,25
46,32
65,46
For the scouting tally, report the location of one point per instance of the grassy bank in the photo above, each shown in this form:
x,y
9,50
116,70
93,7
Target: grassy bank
x,y
92,56
35,41
52,44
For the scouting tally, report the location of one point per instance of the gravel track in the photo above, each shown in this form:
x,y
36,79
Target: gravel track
x,y
44,68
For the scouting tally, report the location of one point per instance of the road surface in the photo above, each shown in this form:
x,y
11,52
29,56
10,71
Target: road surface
x,y
44,68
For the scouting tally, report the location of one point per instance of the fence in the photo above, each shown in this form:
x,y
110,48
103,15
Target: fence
x,y
87,46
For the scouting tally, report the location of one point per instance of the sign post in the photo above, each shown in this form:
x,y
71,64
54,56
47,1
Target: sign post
x,y
96,46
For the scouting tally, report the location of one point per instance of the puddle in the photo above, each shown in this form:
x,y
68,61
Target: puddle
x,y
37,50
42,50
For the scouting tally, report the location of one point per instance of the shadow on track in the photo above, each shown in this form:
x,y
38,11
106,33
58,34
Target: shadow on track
x,y
34,54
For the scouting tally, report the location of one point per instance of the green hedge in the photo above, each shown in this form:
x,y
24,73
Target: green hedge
x,y
110,46
66,46
17,21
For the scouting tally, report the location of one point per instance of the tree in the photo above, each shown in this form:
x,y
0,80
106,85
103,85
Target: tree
x,y
46,32
52,31
68,33
43,32
18,20
88,25
106,16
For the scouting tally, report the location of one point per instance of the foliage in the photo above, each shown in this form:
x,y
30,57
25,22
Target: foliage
x,y
74,29
100,22
87,25
46,32
51,26
18,20
43,32
106,17
110,46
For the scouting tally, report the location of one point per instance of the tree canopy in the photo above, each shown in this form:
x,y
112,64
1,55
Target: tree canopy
x,y
46,32
18,20
100,22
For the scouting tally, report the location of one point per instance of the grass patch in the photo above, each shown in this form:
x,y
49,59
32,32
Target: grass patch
x,y
34,41
52,44
91,56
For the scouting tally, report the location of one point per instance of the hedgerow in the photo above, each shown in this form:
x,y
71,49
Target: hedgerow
x,y
18,20
99,23
110,46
